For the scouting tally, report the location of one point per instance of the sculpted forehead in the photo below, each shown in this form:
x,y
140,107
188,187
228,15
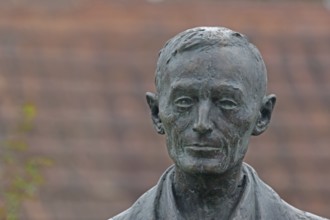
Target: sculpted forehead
x,y
227,64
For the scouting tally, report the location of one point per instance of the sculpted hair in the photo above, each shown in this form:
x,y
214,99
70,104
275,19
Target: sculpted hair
x,y
205,38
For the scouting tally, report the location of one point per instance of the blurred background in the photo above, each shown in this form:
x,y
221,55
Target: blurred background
x,y
83,67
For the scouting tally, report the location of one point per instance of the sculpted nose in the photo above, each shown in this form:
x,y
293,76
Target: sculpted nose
x,y
203,124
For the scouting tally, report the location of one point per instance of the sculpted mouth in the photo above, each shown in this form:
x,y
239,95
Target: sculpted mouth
x,y
206,150
203,147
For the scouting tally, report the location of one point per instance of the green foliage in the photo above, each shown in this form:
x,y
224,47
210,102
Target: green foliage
x,y
20,173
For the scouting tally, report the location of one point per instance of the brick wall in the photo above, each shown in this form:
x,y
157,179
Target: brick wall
x,y
86,65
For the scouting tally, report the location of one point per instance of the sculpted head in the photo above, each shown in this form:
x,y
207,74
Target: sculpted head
x,y
211,98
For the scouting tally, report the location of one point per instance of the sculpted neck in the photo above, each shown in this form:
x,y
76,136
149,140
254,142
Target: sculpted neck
x,y
216,184
207,194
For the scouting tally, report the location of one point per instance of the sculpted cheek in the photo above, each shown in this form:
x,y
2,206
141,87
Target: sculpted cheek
x,y
244,121
170,122
182,123
175,122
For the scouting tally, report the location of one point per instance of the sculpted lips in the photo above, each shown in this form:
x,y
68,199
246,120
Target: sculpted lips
x,y
202,146
205,150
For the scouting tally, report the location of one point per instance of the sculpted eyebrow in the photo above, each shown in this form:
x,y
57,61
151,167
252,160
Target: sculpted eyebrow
x,y
189,87
228,90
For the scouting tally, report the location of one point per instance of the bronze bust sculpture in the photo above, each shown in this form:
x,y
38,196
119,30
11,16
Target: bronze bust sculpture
x,y
211,97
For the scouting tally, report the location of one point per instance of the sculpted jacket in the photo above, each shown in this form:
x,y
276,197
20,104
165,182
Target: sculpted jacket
x,y
258,202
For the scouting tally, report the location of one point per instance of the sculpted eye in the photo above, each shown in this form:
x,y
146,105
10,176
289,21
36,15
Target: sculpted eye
x,y
183,102
227,104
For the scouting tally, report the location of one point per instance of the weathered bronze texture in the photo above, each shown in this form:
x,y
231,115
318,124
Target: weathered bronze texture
x,y
211,98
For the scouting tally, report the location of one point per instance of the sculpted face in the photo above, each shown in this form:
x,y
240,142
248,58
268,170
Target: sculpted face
x,y
208,107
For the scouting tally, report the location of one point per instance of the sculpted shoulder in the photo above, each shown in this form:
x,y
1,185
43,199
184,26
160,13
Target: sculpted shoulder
x,y
269,205
142,209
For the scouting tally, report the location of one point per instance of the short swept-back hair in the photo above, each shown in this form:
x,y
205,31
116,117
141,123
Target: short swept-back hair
x,y
205,38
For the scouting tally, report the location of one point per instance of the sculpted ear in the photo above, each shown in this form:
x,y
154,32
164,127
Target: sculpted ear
x,y
264,114
152,100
